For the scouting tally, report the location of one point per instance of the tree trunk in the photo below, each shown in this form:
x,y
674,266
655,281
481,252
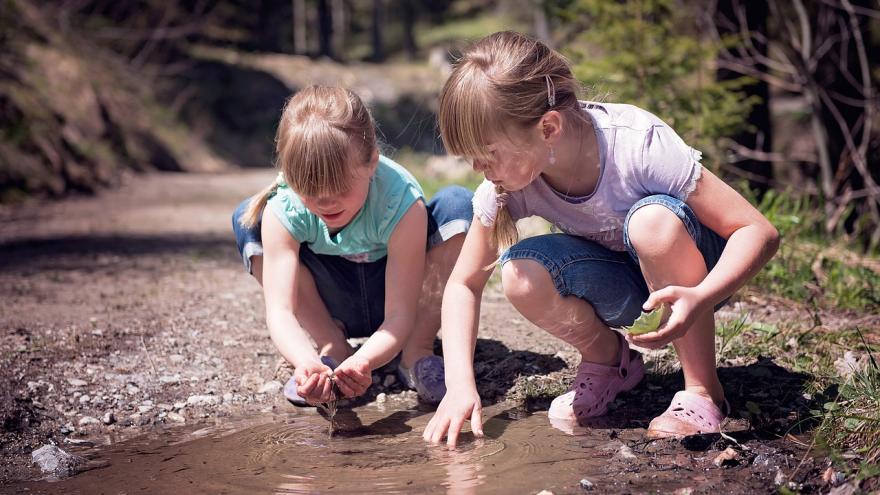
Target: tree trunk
x,y
378,26
300,21
410,14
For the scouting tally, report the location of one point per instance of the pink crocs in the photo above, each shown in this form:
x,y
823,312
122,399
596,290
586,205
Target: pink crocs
x,y
689,414
596,385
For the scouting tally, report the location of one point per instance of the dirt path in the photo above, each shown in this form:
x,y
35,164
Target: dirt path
x,y
129,312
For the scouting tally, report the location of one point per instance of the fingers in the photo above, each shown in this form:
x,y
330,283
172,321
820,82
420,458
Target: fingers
x,y
452,434
477,421
308,384
656,297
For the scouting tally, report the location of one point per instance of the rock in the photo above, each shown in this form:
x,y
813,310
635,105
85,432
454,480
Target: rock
x,y
625,453
586,484
88,421
176,358
56,462
177,418
170,379
109,418
179,405
381,398
389,381
84,398
780,477
271,387
729,457
684,491
165,407
76,382
544,492
144,409
227,397
202,400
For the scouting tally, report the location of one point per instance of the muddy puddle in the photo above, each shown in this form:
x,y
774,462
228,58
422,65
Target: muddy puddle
x,y
380,450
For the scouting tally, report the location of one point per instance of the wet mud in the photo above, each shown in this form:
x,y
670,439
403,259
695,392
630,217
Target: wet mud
x,y
379,449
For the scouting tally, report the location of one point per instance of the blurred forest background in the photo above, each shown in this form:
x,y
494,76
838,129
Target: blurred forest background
x,y
779,95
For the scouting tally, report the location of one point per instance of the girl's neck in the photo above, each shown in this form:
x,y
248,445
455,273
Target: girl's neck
x,y
577,168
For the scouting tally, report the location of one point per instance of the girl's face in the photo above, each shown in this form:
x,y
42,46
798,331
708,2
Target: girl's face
x,y
513,166
338,210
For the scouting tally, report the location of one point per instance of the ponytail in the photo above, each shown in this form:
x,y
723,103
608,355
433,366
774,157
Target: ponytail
x,y
258,203
504,233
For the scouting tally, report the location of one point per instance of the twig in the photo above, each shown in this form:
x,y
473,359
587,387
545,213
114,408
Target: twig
x,y
149,357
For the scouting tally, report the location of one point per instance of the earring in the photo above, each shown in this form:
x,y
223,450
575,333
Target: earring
x,y
552,158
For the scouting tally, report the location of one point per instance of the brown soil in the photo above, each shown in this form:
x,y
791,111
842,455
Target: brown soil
x,y
128,313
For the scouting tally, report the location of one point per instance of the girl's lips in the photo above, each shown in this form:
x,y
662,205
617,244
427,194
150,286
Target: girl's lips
x,y
332,216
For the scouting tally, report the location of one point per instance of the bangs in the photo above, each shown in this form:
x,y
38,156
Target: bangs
x,y
318,164
467,118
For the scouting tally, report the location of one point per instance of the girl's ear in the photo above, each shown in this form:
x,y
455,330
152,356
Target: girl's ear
x,y
551,127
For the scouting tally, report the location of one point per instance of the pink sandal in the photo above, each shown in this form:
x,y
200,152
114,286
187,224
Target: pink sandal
x,y
689,414
596,385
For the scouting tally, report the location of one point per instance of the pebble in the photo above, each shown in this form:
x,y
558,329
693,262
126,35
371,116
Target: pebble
x,y
165,407
143,409
88,421
271,387
169,379
84,398
56,462
726,458
625,453
544,492
780,477
177,418
76,382
381,398
586,484
389,381
179,405
109,418
227,397
202,400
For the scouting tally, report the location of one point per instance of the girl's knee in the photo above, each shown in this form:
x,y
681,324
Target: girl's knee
x,y
654,229
524,279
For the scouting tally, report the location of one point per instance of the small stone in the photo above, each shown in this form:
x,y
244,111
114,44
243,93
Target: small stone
x,y
144,409
270,387
88,421
625,453
56,462
227,397
684,491
179,405
586,484
726,458
84,398
780,477
76,382
170,379
176,358
202,400
389,381
109,418
177,418
381,398
850,488
165,407
544,492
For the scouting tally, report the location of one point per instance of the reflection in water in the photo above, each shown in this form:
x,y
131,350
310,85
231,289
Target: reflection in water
x,y
373,451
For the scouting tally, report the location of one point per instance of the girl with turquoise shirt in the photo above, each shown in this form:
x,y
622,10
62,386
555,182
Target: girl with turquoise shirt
x,y
349,248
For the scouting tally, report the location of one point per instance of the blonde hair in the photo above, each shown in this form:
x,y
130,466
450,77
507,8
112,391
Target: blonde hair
x,y
506,81
319,129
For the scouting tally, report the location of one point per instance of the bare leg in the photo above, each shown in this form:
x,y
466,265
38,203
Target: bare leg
x,y
438,265
528,286
669,256
312,314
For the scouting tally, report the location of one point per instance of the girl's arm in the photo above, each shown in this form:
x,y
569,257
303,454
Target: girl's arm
x,y
404,273
751,242
460,318
280,267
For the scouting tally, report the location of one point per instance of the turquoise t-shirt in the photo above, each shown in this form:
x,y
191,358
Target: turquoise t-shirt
x,y
365,239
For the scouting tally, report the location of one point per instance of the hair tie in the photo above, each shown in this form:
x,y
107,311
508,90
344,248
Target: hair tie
x,y
551,91
501,199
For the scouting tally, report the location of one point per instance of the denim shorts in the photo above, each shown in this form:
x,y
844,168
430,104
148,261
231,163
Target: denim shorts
x,y
355,292
611,281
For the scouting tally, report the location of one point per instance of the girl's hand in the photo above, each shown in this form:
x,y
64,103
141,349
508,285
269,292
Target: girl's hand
x,y
456,407
313,381
353,376
686,304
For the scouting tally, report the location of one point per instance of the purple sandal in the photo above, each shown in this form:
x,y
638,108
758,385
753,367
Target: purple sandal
x,y
290,392
688,414
427,377
596,385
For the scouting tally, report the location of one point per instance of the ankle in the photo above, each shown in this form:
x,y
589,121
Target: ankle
x,y
713,393
411,355
604,351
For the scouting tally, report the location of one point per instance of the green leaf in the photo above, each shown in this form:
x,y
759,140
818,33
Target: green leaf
x,y
649,322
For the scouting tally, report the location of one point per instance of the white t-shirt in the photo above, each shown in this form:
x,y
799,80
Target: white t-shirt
x,y
639,156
